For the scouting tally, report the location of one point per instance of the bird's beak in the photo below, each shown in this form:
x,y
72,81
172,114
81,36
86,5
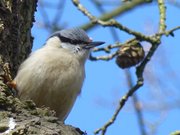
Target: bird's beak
x,y
93,44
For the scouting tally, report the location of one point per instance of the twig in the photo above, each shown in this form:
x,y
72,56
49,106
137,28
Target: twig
x,y
108,48
99,6
170,32
111,23
106,58
114,34
116,12
162,12
137,107
108,2
139,114
120,106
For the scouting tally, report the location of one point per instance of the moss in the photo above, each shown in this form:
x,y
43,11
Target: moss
x,y
29,119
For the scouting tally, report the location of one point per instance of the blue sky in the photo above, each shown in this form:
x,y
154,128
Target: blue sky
x,y
105,83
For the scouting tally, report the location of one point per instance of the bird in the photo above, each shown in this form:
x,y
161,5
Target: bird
x,y
53,75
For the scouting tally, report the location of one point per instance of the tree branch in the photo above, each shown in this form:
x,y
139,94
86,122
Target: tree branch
x,y
116,12
111,23
136,104
162,12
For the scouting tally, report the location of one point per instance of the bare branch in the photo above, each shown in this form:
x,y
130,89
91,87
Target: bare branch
x,y
139,114
120,106
171,32
111,23
106,58
162,12
108,48
116,12
136,104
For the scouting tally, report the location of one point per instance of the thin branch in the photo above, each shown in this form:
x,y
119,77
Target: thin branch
x,y
111,23
162,12
139,114
108,48
106,58
120,106
136,105
108,2
171,32
99,6
138,35
114,34
116,12
177,132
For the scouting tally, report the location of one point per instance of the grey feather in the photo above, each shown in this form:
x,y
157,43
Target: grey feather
x,y
73,34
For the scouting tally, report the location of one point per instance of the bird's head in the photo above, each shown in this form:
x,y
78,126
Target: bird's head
x,y
75,41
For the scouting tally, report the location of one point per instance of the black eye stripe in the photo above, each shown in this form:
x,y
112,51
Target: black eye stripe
x,y
71,41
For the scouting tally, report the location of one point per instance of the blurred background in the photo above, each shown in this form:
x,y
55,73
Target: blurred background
x,y
157,103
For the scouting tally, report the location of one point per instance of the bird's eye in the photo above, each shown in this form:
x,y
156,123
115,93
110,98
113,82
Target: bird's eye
x,y
78,48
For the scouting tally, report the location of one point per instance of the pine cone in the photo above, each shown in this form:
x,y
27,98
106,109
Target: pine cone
x,y
130,55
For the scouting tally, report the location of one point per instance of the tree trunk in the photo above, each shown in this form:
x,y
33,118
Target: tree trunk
x,y
17,117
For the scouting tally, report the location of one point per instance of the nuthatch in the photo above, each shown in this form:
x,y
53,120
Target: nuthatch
x,y
53,75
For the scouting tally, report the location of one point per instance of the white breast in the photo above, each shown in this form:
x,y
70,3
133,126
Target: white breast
x,y
51,77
